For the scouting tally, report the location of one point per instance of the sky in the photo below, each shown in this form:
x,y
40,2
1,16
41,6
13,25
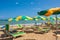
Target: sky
x,y
14,8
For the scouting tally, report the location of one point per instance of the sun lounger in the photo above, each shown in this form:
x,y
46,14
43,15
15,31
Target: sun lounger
x,y
17,34
58,27
13,33
39,31
46,30
43,30
19,26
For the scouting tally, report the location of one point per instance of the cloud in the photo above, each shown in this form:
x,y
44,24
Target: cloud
x,y
36,8
17,2
31,3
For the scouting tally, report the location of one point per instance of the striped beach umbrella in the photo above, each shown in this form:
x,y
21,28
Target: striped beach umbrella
x,y
21,18
50,12
18,18
10,19
24,18
40,17
29,18
51,18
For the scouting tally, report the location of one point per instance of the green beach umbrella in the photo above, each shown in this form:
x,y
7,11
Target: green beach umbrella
x,y
52,11
23,18
51,18
29,18
40,17
10,19
35,19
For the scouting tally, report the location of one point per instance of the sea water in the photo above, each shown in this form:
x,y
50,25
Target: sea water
x,y
22,22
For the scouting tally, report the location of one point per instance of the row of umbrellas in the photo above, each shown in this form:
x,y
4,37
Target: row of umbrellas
x,y
51,11
36,18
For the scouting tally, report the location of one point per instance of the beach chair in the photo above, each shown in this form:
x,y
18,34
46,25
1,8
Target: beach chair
x,y
53,27
16,34
46,30
58,27
39,31
20,26
52,23
43,30
13,33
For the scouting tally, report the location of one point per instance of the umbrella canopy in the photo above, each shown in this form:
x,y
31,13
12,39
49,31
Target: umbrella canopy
x,y
20,18
29,18
51,18
49,12
40,18
10,19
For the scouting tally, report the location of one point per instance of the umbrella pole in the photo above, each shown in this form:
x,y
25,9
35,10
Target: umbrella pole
x,y
35,23
56,26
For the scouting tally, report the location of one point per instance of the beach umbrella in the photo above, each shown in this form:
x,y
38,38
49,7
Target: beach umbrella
x,y
52,11
24,18
10,19
29,18
35,20
51,18
18,18
40,18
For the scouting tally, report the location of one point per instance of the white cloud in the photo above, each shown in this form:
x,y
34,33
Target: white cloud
x,y
32,3
36,8
17,2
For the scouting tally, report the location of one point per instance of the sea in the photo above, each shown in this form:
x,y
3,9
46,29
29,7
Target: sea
x,y
2,23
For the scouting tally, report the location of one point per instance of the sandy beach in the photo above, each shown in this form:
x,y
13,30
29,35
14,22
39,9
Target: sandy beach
x,y
33,36
29,19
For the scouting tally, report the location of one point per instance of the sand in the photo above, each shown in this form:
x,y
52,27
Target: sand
x,y
33,36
